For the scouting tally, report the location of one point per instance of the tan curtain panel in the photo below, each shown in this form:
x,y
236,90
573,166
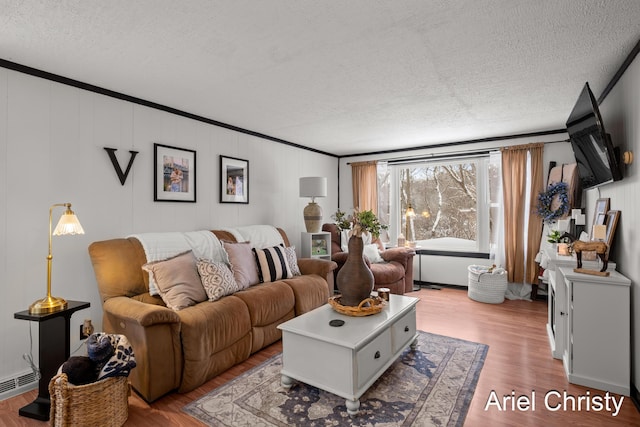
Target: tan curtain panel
x,y
365,186
514,184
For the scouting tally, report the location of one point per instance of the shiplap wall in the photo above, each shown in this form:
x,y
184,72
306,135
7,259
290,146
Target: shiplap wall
x,y
621,116
51,151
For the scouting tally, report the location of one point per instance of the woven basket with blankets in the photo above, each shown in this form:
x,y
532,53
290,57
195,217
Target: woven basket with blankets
x,y
487,284
94,389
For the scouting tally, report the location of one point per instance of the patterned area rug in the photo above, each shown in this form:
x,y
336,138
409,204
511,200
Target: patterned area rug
x,y
431,386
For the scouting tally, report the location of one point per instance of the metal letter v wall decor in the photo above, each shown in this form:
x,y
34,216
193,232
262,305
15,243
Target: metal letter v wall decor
x,y
121,175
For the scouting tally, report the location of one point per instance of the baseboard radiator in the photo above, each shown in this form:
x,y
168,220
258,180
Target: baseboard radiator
x,y
18,384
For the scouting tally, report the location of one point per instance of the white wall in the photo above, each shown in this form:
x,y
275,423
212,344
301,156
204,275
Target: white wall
x,y
51,151
621,117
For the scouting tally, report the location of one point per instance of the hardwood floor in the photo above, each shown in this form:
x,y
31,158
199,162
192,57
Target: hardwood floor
x,y
519,361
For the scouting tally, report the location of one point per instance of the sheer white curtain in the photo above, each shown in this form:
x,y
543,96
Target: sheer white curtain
x,y
496,248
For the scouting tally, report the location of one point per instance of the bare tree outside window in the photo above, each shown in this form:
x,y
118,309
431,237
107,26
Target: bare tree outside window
x,y
444,198
455,202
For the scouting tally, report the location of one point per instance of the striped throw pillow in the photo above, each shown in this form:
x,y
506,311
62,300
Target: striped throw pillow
x,y
272,264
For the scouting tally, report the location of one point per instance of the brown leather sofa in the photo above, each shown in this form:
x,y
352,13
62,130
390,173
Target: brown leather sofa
x,y
180,350
396,273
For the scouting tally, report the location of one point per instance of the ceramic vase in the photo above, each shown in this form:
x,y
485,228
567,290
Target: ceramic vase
x,y
354,280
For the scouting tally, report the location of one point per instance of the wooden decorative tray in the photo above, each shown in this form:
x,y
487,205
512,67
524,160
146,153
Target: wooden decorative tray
x,y
367,307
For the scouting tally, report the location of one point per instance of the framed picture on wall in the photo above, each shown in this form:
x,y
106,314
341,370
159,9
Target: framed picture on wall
x,y
174,171
612,223
234,180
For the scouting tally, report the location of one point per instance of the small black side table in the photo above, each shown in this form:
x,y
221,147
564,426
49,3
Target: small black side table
x,y
54,341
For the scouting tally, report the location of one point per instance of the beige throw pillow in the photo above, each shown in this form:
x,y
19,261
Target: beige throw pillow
x,y
178,280
242,262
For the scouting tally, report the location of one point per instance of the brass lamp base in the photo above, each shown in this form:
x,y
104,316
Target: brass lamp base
x,y
48,305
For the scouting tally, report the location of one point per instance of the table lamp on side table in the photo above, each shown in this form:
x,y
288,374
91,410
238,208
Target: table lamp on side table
x,y
68,224
313,186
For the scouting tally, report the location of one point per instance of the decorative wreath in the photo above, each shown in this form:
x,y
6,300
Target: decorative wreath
x,y
545,200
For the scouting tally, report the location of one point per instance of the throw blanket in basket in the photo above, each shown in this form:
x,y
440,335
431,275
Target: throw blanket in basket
x,y
114,351
487,284
109,355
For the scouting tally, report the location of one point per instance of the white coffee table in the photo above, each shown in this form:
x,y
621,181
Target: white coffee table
x,y
346,360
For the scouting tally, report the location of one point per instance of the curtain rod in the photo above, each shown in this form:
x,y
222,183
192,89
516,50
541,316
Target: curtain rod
x,y
455,154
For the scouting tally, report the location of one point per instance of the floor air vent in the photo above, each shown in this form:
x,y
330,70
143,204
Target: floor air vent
x,y
17,384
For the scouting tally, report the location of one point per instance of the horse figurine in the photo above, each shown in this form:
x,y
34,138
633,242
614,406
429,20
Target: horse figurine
x,y
599,247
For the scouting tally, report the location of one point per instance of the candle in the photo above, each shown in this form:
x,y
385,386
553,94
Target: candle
x,y
563,249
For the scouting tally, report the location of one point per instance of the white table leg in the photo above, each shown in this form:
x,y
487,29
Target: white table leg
x,y
286,382
353,406
414,344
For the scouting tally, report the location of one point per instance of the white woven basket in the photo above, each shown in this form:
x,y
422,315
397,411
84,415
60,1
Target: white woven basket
x,y
485,286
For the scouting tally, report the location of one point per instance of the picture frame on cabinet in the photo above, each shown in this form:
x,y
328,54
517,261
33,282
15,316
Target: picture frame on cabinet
x,y
234,180
174,171
319,247
602,207
612,223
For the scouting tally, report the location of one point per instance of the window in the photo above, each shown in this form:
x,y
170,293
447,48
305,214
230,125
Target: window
x,y
451,200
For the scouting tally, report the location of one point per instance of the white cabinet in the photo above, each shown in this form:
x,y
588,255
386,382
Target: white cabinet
x,y
557,298
316,245
597,350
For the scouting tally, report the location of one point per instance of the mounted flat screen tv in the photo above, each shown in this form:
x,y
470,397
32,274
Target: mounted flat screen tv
x,y
592,147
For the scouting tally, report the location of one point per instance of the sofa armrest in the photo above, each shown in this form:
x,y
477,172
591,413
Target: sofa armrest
x,y
140,313
340,258
154,334
401,255
321,267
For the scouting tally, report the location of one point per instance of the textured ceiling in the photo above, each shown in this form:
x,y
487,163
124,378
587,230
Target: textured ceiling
x,y
343,77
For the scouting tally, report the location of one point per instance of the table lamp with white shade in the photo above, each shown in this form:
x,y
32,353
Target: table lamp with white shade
x,y
313,186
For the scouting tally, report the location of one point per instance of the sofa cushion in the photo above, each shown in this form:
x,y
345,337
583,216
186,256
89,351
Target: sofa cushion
x,y
217,279
116,264
272,264
269,305
268,302
215,336
310,292
178,280
242,262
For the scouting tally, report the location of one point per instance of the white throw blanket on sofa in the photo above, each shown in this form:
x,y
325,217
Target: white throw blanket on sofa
x,y
260,236
163,245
